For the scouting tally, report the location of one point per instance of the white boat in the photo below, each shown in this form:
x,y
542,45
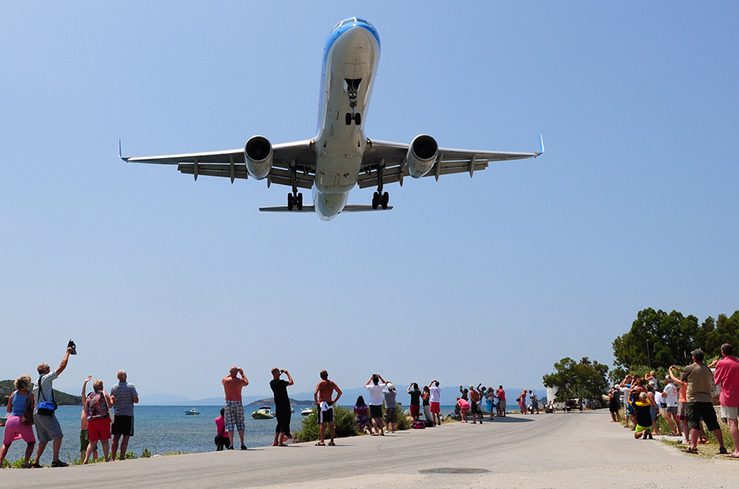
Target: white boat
x,y
264,412
306,411
192,412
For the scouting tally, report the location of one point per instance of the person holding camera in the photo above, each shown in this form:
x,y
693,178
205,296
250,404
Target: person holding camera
x,y
47,426
232,386
282,405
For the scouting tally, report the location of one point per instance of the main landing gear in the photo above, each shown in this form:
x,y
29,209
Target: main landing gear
x,y
295,200
380,198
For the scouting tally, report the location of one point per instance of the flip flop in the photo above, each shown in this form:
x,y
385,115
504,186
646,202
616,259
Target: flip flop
x,y
693,451
731,455
319,444
331,444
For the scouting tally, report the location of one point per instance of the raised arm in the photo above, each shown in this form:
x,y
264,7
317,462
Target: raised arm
x,y
84,391
289,378
63,365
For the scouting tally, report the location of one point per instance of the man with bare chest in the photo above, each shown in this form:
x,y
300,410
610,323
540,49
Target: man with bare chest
x,y
323,399
234,409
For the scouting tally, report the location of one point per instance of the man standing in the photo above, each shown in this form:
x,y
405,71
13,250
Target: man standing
x,y
232,386
375,389
323,399
47,426
727,375
501,401
282,404
124,396
435,401
700,401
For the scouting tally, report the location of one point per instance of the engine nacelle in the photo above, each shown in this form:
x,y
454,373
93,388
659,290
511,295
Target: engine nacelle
x,y
258,156
421,155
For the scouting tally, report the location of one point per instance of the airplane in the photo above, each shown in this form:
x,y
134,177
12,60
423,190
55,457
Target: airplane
x,y
339,157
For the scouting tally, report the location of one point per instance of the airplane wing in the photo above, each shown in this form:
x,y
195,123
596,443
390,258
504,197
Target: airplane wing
x,y
231,163
387,159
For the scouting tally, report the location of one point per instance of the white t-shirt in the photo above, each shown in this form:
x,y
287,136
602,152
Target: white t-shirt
x,y
375,392
435,394
670,393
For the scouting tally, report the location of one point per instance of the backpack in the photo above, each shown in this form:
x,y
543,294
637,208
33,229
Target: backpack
x,y
418,425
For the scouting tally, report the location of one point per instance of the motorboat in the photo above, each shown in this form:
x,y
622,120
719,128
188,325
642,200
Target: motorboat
x,y
192,412
264,412
306,411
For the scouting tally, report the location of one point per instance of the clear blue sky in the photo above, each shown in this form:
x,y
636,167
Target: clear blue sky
x,y
490,279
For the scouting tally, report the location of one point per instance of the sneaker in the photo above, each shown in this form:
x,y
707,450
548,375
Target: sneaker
x,y
243,447
59,463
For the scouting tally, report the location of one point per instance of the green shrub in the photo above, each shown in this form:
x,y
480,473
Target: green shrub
x,y
343,422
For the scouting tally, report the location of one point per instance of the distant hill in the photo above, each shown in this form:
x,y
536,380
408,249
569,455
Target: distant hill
x,y
269,401
61,398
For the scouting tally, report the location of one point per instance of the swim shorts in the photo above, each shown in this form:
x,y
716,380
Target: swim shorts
x,y
234,414
435,407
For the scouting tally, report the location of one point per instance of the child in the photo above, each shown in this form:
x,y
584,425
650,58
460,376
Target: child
x,y
643,413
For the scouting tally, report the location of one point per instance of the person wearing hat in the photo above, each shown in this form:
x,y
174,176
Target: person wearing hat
x,y
699,379
391,406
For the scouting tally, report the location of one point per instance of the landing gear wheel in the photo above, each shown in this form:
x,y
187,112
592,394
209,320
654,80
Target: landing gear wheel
x,y
348,119
358,118
290,202
300,201
375,200
385,200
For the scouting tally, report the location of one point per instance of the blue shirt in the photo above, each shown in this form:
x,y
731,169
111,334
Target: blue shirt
x,y
123,394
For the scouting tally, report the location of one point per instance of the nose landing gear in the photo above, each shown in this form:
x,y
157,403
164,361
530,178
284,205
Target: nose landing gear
x,y
352,86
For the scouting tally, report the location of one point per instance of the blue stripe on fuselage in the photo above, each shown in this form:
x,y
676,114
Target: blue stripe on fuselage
x,y
337,31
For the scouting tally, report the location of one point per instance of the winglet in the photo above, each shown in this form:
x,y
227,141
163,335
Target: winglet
x,y
541,148
124,158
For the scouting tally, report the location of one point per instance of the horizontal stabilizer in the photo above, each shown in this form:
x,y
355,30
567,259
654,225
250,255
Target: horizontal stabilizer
x,y
310,208
306,208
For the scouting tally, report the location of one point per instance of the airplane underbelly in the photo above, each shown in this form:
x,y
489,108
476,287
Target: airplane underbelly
x,y
337,173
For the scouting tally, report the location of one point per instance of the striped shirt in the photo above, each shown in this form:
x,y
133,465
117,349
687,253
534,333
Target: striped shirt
x,y
123,394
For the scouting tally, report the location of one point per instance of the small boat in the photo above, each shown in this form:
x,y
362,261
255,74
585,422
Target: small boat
x,y
264,412
3,419
192,412
306,411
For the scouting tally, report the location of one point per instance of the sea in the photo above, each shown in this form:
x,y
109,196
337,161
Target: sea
x,y
162,430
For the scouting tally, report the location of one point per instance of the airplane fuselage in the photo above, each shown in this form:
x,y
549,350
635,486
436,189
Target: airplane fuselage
x,y
350,61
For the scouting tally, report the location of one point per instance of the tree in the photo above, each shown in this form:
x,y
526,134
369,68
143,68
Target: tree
x,y
658,339
585,379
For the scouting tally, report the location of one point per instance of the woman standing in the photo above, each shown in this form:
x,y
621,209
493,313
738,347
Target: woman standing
x,y
97,404
522,401
490,401
425,397
15,428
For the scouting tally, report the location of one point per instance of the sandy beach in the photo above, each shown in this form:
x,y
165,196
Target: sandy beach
x,y
580,449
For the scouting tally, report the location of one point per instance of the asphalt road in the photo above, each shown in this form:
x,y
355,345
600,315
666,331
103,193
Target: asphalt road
x,y
547,450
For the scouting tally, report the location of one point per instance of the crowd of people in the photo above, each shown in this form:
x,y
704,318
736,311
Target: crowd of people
x,y
685,399
35,406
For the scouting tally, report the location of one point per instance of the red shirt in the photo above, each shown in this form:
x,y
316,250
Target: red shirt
x,y
727,374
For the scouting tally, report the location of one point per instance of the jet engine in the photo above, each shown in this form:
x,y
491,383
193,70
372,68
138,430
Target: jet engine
x,y
421,155
258,156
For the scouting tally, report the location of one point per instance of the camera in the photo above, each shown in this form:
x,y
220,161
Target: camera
x,y
73,347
